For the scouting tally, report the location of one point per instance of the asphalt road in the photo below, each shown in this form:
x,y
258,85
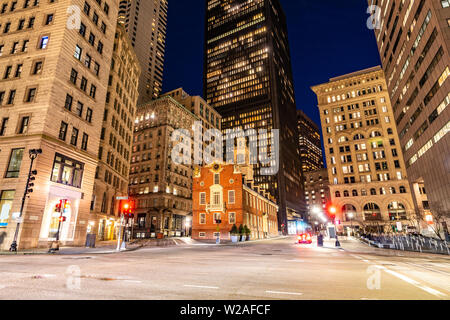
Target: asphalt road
x,y
265,270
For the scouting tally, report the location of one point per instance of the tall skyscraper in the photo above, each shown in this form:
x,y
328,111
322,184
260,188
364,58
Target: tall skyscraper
x,y
116,135
55,76
366,170
413,40
248,79
310,144
145,22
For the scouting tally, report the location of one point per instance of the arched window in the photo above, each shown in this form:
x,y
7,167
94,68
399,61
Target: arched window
x,y
348,212
372,212
338,194
397,211
402,189
346,194
392,190
382,190
375,134
373,192
364,192
354,193
358,137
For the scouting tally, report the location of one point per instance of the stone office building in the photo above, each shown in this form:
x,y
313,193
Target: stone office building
x,y
116,135
161,188
52,95
413,39
366,171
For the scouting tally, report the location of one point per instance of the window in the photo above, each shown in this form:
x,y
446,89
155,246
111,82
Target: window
x,y
43,42
337,194
232,218
83,84
31,22
3,126
89,115
91,38
202,198
68,102
73,76
84,141
18,70
23,128
100,47
31,94
15,161
216,198
67,171
25,45
6,201
96,69
106,8
202,218
79,110
12,95
49,19
87,60
202,234
7,73
93,90
78,52
37,67
231,197
95,18
216,217
74,137
402,189
445,3
216,178
82,30
7,27
63,131
86,8
14,48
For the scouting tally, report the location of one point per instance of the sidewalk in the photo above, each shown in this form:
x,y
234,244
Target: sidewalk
x,y
101,248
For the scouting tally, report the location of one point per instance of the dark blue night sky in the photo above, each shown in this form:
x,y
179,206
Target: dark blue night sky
x,y
328,38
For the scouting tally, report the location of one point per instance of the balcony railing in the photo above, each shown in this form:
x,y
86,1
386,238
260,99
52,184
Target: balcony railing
x,y
215,207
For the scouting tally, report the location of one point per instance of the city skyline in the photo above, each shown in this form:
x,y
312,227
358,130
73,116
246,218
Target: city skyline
x,y
307,23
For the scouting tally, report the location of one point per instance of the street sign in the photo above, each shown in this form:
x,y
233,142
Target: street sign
x,y
122,198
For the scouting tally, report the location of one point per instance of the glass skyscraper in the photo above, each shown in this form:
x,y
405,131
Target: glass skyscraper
x,y
248,79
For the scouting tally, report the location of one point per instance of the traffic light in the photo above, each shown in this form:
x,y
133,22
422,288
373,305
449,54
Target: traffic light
x,y
62,219
30,184
58,206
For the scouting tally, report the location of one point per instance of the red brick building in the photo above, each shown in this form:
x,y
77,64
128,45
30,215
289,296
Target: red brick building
x,y
225,192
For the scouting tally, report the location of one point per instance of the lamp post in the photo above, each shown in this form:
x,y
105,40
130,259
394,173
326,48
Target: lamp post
x,y
350,215
33,153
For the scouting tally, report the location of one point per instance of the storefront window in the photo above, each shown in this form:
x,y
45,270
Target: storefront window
x,y
6,200
67,171
14,163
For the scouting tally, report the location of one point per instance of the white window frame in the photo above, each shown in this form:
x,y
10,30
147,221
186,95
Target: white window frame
x,y
202,198
232,221
231,196
200,218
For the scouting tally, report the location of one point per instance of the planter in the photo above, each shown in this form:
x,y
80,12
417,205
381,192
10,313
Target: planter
x,y
247,238
234,238
243,238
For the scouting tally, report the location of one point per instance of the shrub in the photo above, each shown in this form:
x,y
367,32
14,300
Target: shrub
x,y
234,230
241,229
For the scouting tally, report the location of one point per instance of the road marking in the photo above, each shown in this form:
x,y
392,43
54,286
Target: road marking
x,y
132,281
295,260
412,282
286,293
200,287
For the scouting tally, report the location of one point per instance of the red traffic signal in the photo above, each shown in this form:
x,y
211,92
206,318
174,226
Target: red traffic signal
x,y
62,219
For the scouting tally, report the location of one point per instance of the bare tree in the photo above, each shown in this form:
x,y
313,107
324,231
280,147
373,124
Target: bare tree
x,y
440,215
416,217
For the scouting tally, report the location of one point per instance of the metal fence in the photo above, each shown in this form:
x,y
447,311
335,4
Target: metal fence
x,y
417,243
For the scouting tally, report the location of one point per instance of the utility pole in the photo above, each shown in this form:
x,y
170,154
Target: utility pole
x,y
33,153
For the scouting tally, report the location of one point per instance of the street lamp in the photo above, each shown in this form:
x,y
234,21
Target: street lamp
x,y
350,215
33,154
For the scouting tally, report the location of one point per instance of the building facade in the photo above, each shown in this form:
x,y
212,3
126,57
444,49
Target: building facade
x,y
209,116
146,22
116,135
310,144
222,192
317,192
52,93
414,41
248,79
366,170
161,188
